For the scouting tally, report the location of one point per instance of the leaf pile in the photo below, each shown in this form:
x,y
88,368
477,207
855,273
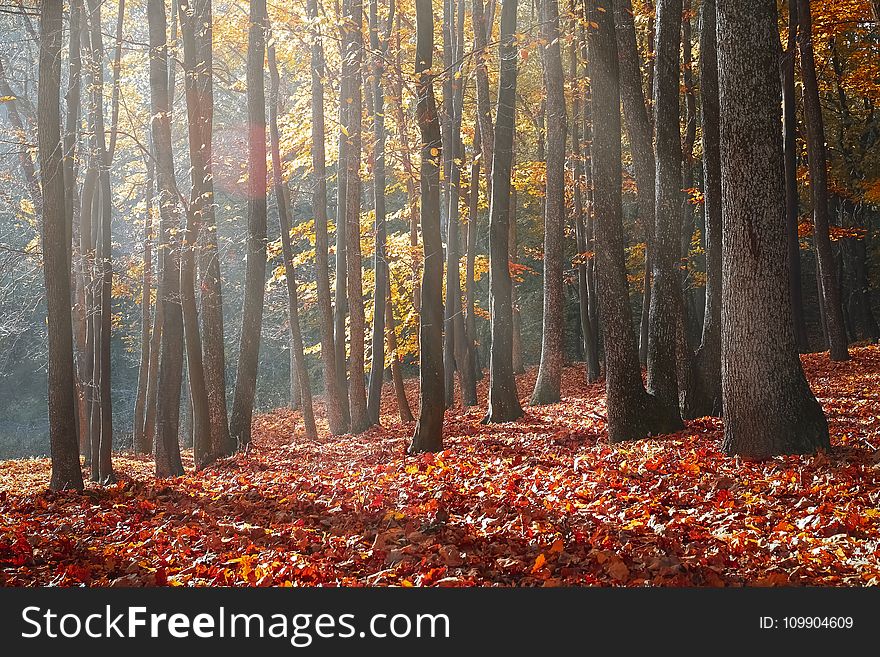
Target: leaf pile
x,y
544,501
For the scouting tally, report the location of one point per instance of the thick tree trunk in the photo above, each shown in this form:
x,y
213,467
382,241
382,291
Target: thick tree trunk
x,y
64,450
140,402
641,143
102,467
792,198
299,371
332,394
632,413
768,406
166,448
504,405
815,129
702,396
255,274
428,436
549,381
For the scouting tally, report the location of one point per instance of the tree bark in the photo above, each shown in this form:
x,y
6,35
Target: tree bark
x,y
792,198
166,448
815,129
140,402
403,408
255,274
666,284
549,381
332,394
632,412
768,406
64,450
702,395
428,436
504,405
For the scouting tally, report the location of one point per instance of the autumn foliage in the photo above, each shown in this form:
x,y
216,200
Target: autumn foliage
x,y
544,501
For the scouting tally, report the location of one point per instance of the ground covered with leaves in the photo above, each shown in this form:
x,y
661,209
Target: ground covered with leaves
x,y
544,501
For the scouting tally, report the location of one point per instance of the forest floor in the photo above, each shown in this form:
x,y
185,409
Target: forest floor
x,y
544,501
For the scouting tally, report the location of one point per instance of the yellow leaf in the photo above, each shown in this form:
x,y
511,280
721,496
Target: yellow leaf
x,y
539,563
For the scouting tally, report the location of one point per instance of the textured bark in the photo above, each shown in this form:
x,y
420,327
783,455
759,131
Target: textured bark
x,y
504,405
166,449
64,450
140,401
702,396
632,412
792,198
428,436
815,129
332,403
549,381
102,467
379,46
768,406
666,284
641,144
255,273
299,371
204,449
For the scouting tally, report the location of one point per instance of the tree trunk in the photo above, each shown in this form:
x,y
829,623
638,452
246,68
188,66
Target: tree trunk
x,y
768,406
332,394
632,413
703,392
64,450
815,129
513,257
504,403
792,199
470,283
299,371
403,408
24,155
102,467
641,143
549,381
666,284
255,275
482,27
428,436
140,402
166,448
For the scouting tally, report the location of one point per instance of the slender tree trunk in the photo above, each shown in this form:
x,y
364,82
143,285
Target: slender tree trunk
x,y
632,413
140,402
792,199
482,27
403,408
104,310
116,69
299,371
470,283
815,129
504,405
638,127
166,448
64,450
24,155
666,285
702,396
512,242
255,275
428,436
768,406
549,382
332,394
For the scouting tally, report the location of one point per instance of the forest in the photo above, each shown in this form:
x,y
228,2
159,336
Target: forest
x,y
439,292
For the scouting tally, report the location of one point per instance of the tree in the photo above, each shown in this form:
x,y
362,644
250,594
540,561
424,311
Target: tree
x,y
140,403
702,395
64,449
255,275
665,312
299,371
428,436
547,386
768,406
166,449
504,403
632,412
332,394
829,298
